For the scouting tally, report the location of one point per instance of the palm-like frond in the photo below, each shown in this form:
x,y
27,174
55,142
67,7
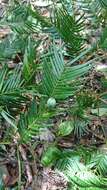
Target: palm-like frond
x,y
90,173
8,118
99,161
80,127
96,10
80,175
103,39
69,29
76,155
27,125
10,89
29,65
33,121
23,19
12,45
12,97
58,77
103,3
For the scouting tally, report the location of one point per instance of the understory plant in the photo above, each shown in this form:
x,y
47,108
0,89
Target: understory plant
x,y
50,87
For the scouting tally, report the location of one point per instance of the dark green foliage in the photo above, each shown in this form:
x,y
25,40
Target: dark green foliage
x,y
29,65
47,91
69,28
11,89
58,77
30,122
103,39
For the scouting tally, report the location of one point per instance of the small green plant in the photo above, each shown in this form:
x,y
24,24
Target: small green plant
x,y
37,94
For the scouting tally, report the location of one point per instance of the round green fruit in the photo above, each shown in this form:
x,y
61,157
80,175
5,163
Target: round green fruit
x,y
51,103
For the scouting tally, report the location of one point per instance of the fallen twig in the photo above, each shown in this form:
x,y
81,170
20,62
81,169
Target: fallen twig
x,y
28,169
